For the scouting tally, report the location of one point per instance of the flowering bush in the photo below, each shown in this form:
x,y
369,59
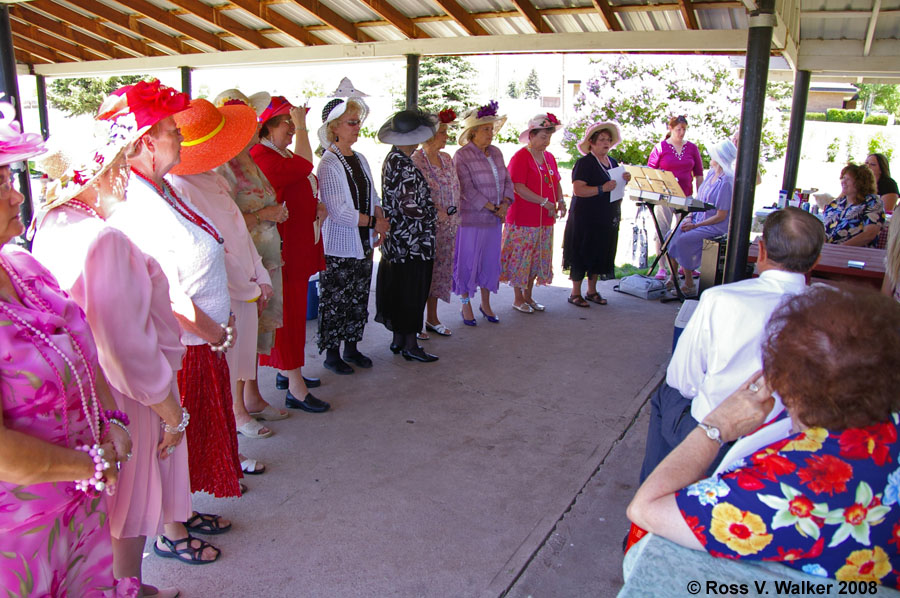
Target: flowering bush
x,y
642,94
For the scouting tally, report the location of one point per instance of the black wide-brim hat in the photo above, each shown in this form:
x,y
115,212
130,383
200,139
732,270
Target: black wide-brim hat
x,y
408,127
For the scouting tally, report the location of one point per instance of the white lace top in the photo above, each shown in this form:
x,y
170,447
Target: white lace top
x,y
341,229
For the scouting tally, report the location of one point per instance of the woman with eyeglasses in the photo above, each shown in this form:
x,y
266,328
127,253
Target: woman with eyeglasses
x,y
354,227
682,158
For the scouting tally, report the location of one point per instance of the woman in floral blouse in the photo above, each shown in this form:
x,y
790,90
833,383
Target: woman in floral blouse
x,y
825,498
856,217
404,273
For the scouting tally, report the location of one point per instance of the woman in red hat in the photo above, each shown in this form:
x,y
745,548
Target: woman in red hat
x,y
290,173
191,252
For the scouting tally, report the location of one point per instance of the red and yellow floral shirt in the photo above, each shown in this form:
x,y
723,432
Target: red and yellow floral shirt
x,y
819,501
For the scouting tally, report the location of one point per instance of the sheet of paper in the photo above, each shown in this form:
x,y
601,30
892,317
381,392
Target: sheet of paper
x,y
616,174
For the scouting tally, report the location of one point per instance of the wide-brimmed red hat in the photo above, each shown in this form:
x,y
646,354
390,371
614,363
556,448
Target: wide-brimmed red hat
x,y
278,105
136,108
212,136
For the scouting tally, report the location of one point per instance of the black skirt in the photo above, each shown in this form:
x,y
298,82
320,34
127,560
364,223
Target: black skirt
x,y
401,290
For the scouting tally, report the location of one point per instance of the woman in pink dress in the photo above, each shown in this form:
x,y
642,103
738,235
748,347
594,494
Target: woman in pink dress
x,y
681,158
60,437
125,296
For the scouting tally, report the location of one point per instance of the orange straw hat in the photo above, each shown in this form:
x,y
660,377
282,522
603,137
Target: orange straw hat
x,y
212,136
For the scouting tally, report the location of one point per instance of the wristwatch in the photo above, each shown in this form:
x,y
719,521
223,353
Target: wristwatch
x,y
712,432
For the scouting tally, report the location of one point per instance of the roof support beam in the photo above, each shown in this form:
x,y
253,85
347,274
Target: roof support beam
x,y
687,13
396,18
215,17
329,17
846,14
463,18
527,10
97,27
870,32
104,48
278,21
607,14
57,43
169,20
846,56
39,50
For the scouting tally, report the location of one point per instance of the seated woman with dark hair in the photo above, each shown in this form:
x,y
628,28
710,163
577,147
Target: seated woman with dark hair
x,y
824,499
856,217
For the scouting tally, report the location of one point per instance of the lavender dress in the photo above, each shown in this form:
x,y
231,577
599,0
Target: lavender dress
x,y
687,247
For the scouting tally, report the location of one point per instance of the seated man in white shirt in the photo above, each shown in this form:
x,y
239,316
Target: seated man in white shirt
x,y
720,346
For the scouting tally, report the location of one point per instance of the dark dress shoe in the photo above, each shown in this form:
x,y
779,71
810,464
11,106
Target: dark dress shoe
x,y
358,359
395,349
282,382
418,354
339,367
309,403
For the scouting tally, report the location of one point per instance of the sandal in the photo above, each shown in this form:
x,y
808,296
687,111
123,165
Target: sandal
x,y
437,328
252,467
205,524
525,308
578,300
185,551
254,429
595,298
422,336
270,414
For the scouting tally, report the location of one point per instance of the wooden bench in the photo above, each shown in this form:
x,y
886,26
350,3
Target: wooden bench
x,y
833,266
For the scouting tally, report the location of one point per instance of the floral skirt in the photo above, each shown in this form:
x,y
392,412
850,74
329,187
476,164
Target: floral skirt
x,y
343,300
272,317
442,273
527,255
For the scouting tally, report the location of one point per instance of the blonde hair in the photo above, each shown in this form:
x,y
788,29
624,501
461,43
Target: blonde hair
x,y
353,105
892,253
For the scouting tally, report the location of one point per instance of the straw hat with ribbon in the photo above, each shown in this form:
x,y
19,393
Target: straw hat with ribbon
x,y
258,101
724,153
333,110
480,116
408,127
611,126
212,136
15,145
540,121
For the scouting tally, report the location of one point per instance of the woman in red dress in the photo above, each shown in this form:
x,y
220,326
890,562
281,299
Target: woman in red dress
x,y
291,175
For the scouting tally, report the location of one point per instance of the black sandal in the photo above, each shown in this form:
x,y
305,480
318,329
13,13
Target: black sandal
x,y
578,300
187,553
204,523
595,298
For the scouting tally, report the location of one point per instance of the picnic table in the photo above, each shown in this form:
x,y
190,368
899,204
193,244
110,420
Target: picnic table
x,y
835,264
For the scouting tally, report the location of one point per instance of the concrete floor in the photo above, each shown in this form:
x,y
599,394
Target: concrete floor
x,y
447,479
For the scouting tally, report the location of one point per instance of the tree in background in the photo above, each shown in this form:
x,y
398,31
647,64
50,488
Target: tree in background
x,y
878,94
512,90
444,82
642,94
532,87
84,95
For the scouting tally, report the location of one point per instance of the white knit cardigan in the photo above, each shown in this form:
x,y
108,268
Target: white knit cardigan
x,y
340,230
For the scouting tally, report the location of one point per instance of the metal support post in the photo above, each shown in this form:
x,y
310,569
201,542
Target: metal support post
x,y
759,46
42,105
185,79
795,133
412,80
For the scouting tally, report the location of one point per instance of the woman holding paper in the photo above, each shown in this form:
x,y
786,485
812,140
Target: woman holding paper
x,y
716,189
592,230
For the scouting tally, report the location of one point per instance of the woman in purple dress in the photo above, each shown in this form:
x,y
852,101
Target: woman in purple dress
x,y
717,187
487,193
60,436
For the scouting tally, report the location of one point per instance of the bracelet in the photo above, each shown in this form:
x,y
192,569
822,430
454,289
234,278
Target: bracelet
x,y
543,204
185,420
227,341
257,218
95,484
119,415
117,422
372,221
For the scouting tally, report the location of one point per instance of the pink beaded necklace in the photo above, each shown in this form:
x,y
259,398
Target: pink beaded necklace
x,y
89,405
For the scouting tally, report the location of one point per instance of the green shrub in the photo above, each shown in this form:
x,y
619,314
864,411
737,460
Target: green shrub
x,y
851,146
876,119
832,149
836,115
508,134
815,116
879,144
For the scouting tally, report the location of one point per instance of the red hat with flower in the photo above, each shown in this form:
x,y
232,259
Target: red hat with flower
x,y
546,120
447,117
278,105
142,105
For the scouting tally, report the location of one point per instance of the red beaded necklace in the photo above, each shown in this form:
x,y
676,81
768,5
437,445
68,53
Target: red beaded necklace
x,y
168,194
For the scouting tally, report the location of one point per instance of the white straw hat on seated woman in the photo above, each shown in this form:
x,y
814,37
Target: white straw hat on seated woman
x,y
480,116
724,153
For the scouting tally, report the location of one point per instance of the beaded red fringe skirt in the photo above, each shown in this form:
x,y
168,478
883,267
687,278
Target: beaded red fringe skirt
x,y
211,435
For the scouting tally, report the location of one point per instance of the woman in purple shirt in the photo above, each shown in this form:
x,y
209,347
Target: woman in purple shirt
x,y
681,158
486,194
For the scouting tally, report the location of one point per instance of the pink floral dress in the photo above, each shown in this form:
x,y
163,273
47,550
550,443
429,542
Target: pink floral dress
x,y
54,540
444,186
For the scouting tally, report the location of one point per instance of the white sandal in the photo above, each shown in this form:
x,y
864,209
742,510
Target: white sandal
x,y
438,329
252,429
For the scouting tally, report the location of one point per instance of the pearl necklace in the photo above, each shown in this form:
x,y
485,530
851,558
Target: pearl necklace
x,y
90,406
284,153
176,203
80,206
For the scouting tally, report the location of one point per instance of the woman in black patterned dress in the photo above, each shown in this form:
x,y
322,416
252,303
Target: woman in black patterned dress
x,y
407,255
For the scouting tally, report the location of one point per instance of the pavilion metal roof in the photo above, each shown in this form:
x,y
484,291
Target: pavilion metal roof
x,y
54,37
